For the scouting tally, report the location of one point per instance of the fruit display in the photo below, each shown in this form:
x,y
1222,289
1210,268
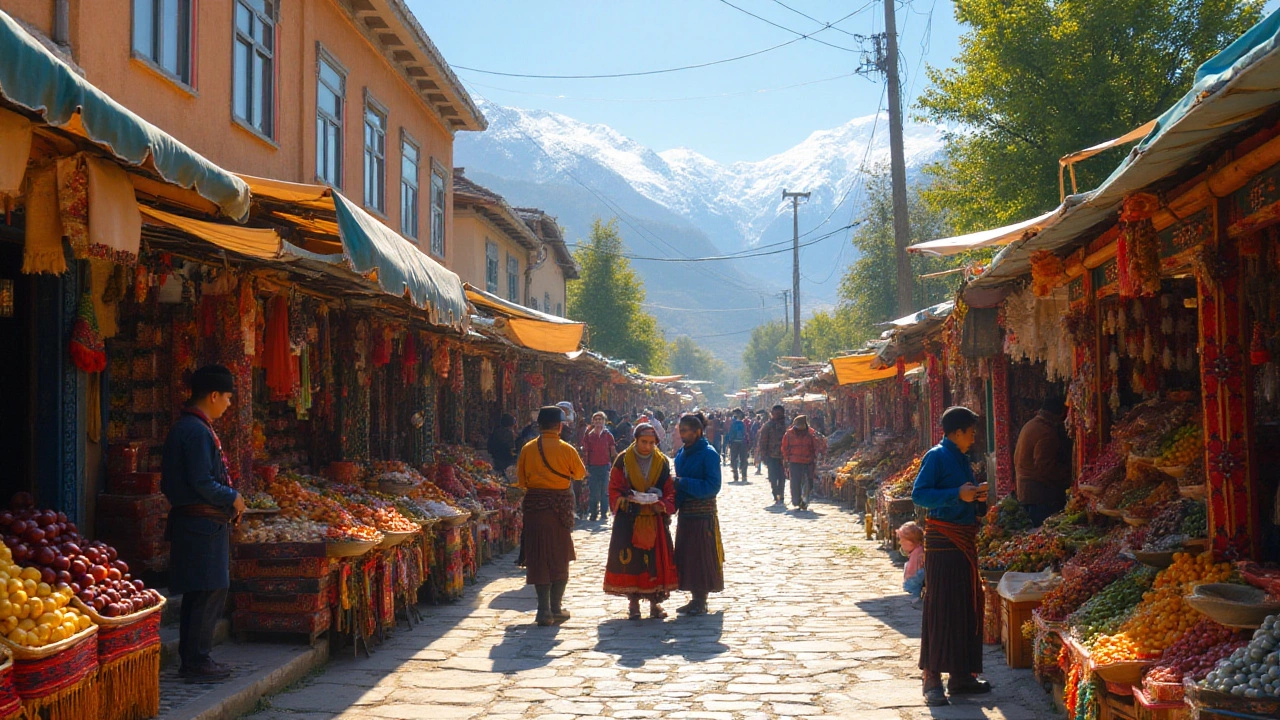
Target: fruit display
x,y
900,483
1106,469
1084,576
33,614
1030,552
45,543
1149,426
1107,610
1196,653
1168,521
1153,501
1003,519
280,530
1164,616
1195,475
1182,448
1195,524
260,501
1252,671
876,459
300,501
371,510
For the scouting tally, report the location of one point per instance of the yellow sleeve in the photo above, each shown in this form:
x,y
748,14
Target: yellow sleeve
x,y
577,470
522,468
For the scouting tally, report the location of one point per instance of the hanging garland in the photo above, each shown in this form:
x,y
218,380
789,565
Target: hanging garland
x,y
1138,249
1047,272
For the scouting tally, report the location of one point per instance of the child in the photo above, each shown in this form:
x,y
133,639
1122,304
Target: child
x,y
911,538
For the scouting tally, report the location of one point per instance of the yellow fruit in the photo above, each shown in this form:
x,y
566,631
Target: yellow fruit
x,y
37,607
49,619
14,585
43,590
21,609
26,624
57,634
83,622
30,573
29,586
42,633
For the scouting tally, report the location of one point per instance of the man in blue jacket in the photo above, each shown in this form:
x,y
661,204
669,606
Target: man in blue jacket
x,y
195,478
699,552
736,437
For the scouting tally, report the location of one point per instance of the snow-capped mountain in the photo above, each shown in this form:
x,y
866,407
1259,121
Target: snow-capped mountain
x,y
679,202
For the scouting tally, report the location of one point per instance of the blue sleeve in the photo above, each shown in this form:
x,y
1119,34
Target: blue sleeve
x,y
199,466
926,493
708,485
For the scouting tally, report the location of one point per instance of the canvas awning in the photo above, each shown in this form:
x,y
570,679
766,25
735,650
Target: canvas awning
x,y
856,369
36,79
263,243
661,378
985,238
1231,89
932,313
366,246
529,328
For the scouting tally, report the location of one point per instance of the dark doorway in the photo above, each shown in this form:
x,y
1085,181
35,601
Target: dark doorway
x,y
17,386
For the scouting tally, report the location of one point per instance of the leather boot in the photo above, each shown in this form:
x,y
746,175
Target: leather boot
x,y
544,618
558,613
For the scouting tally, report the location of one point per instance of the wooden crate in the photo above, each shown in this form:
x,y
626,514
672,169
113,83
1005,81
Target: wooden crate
x,y
1150,710
1019,652
1117,707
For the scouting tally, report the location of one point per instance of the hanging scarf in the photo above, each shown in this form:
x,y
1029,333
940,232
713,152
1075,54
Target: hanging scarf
x,y
644,534
226,466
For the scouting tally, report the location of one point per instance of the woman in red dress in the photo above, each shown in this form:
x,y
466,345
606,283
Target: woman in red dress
x,y
641,561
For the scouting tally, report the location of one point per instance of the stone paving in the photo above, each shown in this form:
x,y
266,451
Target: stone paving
x,y
813,624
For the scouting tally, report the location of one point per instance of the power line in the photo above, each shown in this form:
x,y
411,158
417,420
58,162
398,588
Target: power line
x,y
784,27
704,337
641,73
825,24
660,100
715,258
702,310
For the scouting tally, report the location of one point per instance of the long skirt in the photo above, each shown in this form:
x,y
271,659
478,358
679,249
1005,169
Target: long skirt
x,y
546,543
950,633
634,572
698,552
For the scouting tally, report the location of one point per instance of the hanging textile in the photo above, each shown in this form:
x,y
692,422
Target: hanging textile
x,y
101,273
409,360
302,400
42,251
115,224
86,348
281,363
486,378
73,203
1138,248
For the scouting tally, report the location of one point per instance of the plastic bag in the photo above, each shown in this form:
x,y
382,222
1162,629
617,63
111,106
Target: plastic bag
x,y
1022,587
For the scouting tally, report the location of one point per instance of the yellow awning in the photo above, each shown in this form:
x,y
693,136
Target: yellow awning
x,y
855,369
262,243
545,336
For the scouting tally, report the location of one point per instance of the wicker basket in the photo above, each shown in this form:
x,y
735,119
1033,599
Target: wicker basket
x,y
99,619
451,521
1195,492
349,548
392,539
1236,606
1128,672
1160,560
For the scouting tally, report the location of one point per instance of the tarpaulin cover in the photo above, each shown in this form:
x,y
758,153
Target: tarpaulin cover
x,y
855,369
1231,89
984,238
530,328
32,77
262,243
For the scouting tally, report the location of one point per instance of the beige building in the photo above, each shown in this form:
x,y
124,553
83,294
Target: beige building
x,y
518,254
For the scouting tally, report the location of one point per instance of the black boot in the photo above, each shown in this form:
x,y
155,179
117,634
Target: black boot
x,y
696,606
558,613
544,618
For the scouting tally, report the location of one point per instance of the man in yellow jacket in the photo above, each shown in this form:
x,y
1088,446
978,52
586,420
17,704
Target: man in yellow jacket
x,y
546,469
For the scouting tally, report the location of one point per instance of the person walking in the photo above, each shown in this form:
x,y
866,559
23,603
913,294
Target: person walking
x,y
801,448
598,451
1041,462
546,468
769,447
951,627
195,478
502,445
642,493
736,439
699,550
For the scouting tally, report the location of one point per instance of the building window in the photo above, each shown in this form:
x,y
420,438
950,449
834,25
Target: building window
x,y
162,34
513,278
437,212
546,302
559,310
491,266
533,303
253,81
408,188
331,93
375,158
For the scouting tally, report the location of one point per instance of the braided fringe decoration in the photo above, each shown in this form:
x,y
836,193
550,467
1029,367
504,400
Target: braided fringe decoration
x,y
76,702
131,685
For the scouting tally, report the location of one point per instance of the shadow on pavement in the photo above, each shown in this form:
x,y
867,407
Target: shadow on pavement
x,y
634,642
524,647
894,611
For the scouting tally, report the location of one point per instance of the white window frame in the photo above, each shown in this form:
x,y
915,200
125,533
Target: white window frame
x,y
260,102
326,119
546,303
373,125
492,264
410,217
513,278
152,48
439,197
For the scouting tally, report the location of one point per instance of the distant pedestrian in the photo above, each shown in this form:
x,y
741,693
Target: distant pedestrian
x,y
736,439
769,448
545,470
801,448
699,550
951,627
598,452
502,445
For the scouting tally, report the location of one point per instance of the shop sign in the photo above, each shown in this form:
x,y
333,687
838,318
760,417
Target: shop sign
x,y
1179,239
1075,290
1257,203
1106,278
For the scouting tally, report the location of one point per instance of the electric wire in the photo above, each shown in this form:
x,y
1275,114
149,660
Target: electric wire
x,y
738,93
716,258
826,24
784,27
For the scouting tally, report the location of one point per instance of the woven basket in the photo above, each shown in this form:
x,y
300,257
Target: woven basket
x,y
1161,560
1194,491
392,539
1236,606
107,622
349,548
59,681
1128,672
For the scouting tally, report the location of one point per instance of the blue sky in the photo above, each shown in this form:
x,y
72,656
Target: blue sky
x,y
727,119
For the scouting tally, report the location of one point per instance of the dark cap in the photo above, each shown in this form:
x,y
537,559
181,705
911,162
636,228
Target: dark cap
x,y
212,378
550,416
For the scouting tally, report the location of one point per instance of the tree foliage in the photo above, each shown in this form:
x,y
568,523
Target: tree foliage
x,y
1038,79
608,297
685,357
768,342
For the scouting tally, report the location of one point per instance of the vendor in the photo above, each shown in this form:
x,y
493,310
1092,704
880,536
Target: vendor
x,y
196,480
1041,462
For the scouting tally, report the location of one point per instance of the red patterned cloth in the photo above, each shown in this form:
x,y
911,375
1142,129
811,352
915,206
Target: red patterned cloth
x,y
116,641
35,679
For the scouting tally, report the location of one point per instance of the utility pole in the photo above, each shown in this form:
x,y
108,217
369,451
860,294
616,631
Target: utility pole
x,y
795,260
898,163
786,310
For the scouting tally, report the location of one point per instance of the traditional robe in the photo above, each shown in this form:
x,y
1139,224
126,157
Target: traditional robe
x,y
699,551
641,555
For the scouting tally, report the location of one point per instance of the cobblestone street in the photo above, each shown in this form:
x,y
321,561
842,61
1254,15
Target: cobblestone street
x,y
812,624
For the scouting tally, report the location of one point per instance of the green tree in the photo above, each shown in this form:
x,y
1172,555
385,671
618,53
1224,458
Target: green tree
x,y
1038,79
608,297
768,342
685,357
829,333
868,291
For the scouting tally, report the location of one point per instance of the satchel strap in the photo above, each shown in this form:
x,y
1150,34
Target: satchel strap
x,y
554,471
